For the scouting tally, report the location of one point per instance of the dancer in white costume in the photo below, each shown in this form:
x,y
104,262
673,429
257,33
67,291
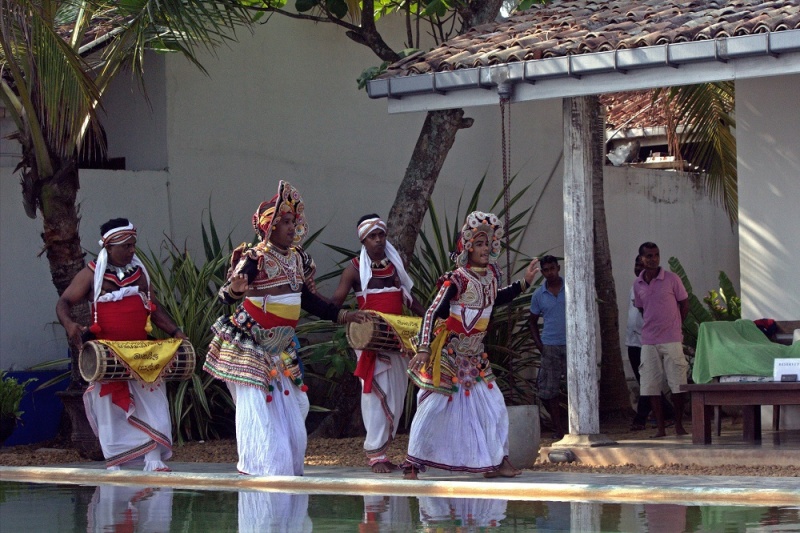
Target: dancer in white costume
x,y
461,422
130,418
140,509
253,349
273,512
380,282
462,514
386,513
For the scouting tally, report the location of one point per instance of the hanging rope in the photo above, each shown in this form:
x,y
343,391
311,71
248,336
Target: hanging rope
x,y
505,111
505,148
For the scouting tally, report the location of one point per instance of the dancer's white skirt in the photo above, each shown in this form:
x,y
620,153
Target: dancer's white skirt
x,y
467,433
271,435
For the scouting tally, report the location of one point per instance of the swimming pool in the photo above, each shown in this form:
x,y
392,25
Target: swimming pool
x,y
106,507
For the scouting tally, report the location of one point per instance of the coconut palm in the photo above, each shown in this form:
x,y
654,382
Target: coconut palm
x,y
57,58
700,129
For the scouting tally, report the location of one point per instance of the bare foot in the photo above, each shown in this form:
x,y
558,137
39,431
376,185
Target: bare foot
x,y
506,470
680,431
384,467
410,473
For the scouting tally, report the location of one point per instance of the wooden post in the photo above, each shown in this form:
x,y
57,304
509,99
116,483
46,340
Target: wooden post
x,y
582,368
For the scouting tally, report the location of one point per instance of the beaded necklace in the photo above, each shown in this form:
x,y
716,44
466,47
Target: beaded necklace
x,y
287,262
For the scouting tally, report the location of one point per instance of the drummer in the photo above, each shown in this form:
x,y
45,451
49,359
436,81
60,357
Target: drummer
x,y
380,282
131,419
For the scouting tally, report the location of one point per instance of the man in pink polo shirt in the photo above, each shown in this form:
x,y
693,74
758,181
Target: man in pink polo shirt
x,y
664,303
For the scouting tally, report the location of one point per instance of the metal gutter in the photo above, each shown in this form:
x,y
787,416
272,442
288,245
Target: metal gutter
x,y
705,54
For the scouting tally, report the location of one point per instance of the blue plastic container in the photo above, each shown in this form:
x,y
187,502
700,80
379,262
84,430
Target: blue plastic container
x,y
42,409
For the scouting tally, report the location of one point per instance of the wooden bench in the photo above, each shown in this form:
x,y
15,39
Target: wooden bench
x,y
751,396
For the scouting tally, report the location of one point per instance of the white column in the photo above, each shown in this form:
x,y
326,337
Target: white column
x,y
582,371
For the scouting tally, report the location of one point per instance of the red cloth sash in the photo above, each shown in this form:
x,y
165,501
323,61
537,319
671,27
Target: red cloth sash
x,y
390,303
267,320
123,320
455,325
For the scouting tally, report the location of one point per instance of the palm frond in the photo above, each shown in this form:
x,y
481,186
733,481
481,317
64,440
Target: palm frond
x,y
703,113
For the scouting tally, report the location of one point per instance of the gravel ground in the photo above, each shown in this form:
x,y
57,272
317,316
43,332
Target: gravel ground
x,y
349,452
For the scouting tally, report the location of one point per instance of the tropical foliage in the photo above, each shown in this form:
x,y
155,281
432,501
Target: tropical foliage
x,y
188,293
722,304
57,58
11,393
700,129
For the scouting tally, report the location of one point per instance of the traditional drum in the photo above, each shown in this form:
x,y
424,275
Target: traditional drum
x,y
391,333
98,362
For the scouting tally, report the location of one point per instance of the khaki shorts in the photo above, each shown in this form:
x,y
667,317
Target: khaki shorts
x,y
660,362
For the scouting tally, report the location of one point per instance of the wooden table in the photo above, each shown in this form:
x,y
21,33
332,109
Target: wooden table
x,y
751,396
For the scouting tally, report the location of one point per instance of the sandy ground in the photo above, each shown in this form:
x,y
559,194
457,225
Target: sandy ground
x,y
349,452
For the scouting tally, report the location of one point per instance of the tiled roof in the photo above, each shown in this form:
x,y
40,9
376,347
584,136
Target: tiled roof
x,y
632,109
584,26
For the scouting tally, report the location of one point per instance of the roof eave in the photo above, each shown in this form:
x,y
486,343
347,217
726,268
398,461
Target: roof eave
x,y
747,56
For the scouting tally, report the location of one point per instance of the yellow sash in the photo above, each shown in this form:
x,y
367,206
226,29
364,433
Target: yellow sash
x,y
435,362
146,359
406,327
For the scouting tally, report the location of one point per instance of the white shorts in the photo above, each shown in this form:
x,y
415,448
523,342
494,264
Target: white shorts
x,y
660,362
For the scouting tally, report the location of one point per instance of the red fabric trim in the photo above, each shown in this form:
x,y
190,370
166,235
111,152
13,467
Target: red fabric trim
x,y
108,276
365,368
390,303
120,395
455,325
123,320
386,272
385,302
268,320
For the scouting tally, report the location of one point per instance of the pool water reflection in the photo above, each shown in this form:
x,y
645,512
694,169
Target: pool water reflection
x,y
65,508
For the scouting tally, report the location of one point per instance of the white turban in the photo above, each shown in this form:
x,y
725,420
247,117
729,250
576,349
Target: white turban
x,y
365,263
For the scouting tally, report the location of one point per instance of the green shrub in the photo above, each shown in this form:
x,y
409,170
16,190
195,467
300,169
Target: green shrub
x,y
722,304
200,408
11,393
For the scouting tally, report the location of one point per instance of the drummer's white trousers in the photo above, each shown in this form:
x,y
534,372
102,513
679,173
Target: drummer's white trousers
x,y
382,408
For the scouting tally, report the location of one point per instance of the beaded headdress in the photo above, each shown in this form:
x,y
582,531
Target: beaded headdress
x,y
288,200
479,222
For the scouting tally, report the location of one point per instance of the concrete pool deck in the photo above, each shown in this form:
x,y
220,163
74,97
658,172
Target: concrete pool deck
x,y
531,485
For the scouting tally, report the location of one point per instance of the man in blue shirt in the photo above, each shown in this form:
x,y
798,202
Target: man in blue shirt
x,y
548,302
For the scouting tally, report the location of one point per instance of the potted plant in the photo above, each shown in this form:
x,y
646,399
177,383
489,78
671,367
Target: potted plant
x,y
11,393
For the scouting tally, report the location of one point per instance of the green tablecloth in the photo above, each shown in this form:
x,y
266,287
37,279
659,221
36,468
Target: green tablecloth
x,y
736,348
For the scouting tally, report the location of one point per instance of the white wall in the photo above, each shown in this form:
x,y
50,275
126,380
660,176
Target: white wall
x,y
768,133
283,104
294,113
670,209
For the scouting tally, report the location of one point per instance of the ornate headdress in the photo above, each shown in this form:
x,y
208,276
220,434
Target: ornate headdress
x,y
478,222
288,200
365,268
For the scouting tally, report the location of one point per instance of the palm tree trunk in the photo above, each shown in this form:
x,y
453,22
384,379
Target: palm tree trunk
x,y
411,203
62,244
56,199
614,396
